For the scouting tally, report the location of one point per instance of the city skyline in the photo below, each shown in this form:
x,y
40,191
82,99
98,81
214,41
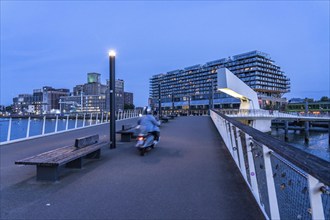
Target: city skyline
x,y
57,43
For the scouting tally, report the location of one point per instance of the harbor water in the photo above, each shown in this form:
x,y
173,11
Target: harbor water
x,y
19,127
318,143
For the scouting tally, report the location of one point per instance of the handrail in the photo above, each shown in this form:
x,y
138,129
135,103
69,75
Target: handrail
x,y
273,114
286,182
310,163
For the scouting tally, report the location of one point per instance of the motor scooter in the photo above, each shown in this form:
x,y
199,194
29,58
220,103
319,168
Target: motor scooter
x,y
145,142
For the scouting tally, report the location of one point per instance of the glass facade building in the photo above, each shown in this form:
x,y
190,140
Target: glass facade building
x,y
194,87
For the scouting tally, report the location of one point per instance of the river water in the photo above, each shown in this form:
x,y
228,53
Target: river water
x,y
318,144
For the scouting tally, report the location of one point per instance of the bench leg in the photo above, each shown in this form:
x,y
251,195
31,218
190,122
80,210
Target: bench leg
x,y
126,137
77,164
94,155
47,173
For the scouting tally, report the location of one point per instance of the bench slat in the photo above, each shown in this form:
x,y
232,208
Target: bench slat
x,y
60,156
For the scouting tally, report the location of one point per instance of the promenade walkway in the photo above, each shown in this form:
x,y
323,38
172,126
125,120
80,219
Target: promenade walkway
x,y
189,175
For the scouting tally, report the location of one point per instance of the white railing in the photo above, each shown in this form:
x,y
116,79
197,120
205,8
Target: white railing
x,y
271,114
286,182
84,120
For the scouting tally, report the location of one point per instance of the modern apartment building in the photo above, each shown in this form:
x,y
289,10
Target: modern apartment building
x,y
194,87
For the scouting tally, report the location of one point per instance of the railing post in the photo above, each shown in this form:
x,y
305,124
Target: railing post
x,y
315,197
97,118
67,123
76,122
28,128
228,137
44,125
240,153
56,123
90,119
106,117
9,129
274,210
102,118
84,119
233,144
253,174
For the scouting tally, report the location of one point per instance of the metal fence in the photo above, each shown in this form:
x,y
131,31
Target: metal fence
x,y
17,129
286,182
271,114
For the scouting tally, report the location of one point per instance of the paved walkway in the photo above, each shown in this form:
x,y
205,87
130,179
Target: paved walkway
x,y
189,175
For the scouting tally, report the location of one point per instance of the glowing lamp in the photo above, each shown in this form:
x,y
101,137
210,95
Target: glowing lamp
x,y
112,53
232,93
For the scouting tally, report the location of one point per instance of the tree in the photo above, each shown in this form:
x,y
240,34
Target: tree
x,y
9,108
324,99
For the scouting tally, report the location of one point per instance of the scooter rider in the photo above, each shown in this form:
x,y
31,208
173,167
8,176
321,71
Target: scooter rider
x,y
150,124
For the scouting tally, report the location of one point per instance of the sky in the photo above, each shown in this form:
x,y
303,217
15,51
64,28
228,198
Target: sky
x,y
56,43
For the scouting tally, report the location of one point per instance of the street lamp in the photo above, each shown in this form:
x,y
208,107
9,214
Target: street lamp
x,y
112,55
159,102
211,95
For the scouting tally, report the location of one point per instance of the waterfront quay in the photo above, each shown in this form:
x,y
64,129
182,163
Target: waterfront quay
x,y
189,175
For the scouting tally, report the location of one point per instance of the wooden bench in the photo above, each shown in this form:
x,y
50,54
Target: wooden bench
x,y
164,119
49,163
126,133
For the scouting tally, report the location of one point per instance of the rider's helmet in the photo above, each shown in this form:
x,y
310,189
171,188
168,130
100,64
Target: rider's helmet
x,y
149,111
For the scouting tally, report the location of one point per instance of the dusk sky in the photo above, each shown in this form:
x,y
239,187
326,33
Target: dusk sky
x,y
56,43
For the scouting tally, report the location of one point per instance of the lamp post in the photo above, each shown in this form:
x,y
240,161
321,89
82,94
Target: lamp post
x,y
159,102
112,56
172,97
211,96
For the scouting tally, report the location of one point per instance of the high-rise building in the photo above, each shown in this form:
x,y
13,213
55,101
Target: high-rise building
x,y
51,98
119,90
119,85
128,100
37,101
194,87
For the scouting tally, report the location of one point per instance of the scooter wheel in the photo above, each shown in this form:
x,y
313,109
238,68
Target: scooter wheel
x,y
142,151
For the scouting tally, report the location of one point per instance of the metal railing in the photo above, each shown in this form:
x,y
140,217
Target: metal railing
x,y
271,114
286,182
48,125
